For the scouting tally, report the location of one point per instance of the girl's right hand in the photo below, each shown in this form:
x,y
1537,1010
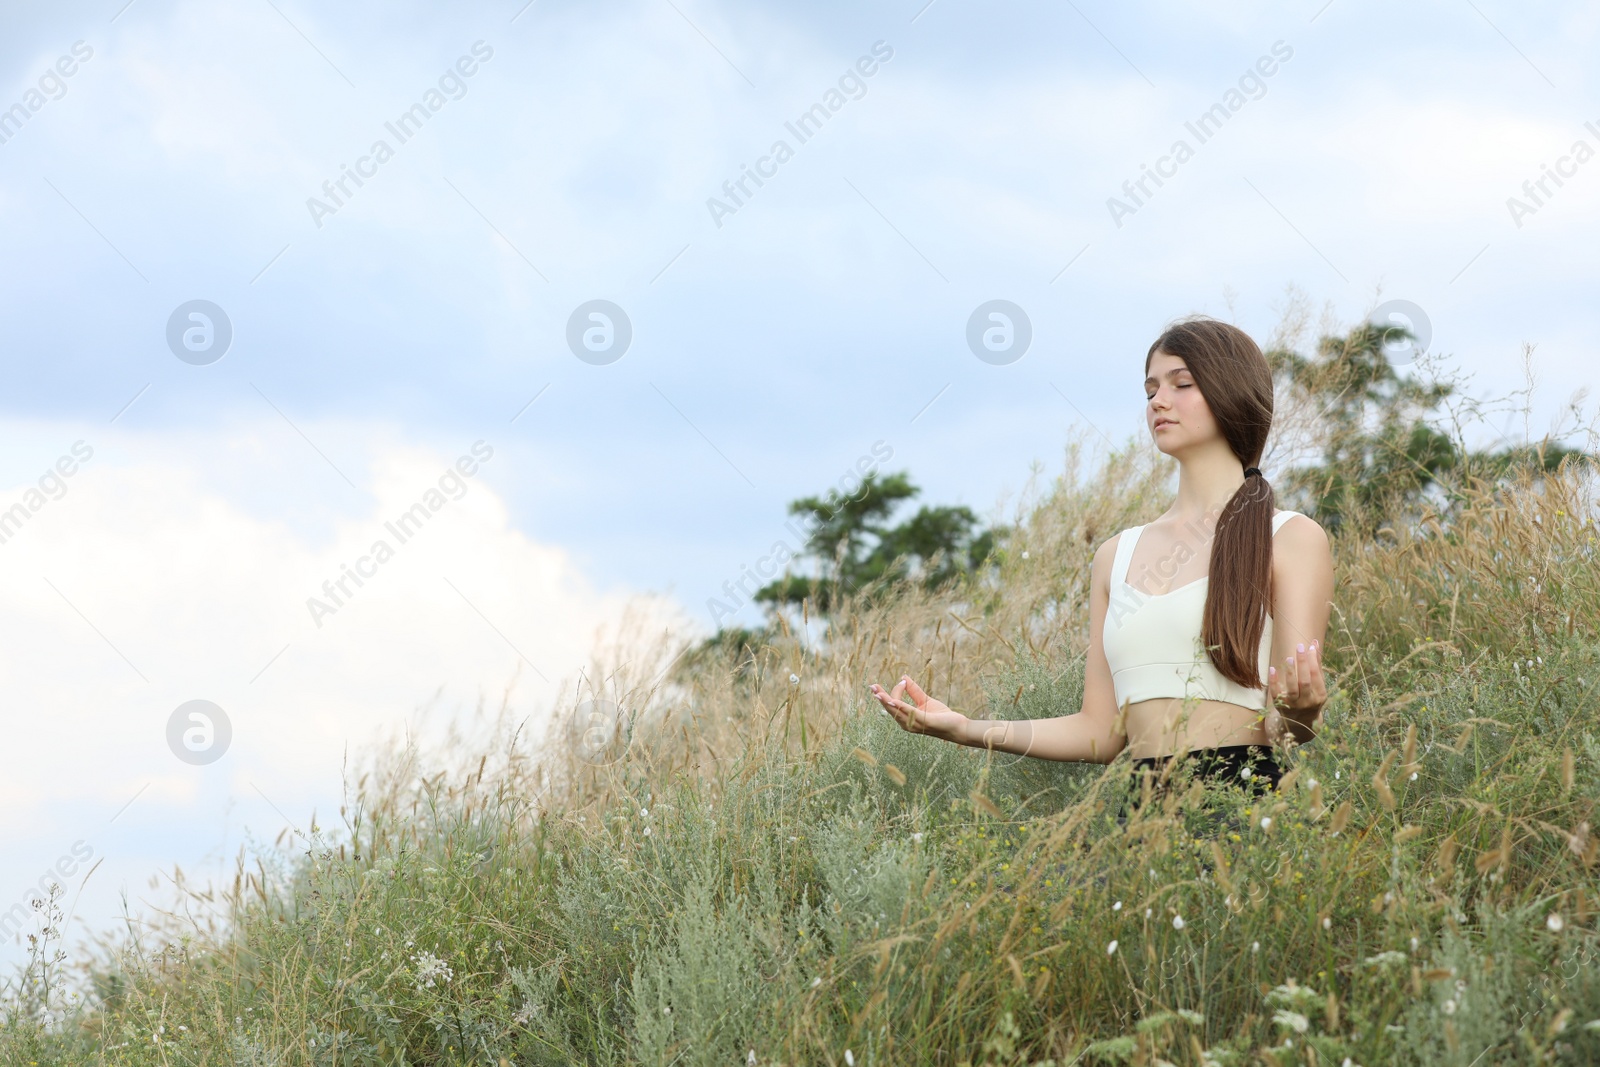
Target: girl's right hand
x,y
923,714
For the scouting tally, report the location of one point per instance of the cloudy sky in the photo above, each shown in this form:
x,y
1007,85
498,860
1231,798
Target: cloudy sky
x,y
517,161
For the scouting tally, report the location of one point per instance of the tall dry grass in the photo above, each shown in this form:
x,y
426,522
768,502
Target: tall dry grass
x,y
738,858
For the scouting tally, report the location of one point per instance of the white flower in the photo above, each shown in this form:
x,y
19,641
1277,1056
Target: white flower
x,y
1448,1007
793,838
1024,553
1255,946
1117,906
1291,1020
1415,944
849,1058
794,679
816,981
1327,922
1147,913
1177,922
751,1059
666,1011
1413,776
1338,774
430,968
644,813
1266,822
1111,949
647,831
1555,923
917,837
1245,772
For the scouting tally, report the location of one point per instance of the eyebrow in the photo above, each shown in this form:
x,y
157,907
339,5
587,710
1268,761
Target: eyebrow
x,y
1170,374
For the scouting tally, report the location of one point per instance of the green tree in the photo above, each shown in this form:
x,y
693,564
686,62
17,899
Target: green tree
x,y
854,546
1380,454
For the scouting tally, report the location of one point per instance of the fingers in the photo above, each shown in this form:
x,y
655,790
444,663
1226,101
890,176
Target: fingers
x,y
1290,673
1299,681
1319,684
902,712
915,690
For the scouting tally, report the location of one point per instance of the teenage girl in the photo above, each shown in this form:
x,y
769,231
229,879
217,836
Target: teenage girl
x,y
1215,651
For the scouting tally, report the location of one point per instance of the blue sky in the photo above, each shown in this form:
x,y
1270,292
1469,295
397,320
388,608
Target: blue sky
x,y
768,353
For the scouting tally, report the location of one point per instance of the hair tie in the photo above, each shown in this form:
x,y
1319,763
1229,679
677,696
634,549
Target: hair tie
x,y
1248,471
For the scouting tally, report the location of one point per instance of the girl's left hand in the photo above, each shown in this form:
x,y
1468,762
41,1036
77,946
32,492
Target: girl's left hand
x,y
1298,686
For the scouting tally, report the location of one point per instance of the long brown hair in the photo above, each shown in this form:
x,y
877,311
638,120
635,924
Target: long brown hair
x,y
1236,381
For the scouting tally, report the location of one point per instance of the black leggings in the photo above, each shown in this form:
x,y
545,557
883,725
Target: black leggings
x,y
1226,764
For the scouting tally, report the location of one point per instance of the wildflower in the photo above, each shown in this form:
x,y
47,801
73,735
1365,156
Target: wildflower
x,y
430,969
666,1010
1024,553
793,838
1338,774
1245,773
1555,923
1448,1007
1413,776
816,981
1255,946
849,1058
1147,913
1415,944
917,837
751,1059
644,813
1387,957
647,831
794,679
1117,906
1177,922
1111,949
1327,922
1266,822
1291,1020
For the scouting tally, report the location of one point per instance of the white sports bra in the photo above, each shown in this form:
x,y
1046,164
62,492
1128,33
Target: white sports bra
x,y
1152,641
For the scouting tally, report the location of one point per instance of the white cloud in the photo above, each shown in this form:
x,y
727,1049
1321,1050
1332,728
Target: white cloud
x,y
154,579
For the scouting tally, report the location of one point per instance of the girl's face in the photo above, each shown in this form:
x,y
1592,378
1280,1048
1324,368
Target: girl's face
x,y
1176,413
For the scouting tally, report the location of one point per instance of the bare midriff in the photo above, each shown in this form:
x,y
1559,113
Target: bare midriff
x,y
1166,725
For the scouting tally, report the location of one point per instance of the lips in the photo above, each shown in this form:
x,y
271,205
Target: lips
x,y
1163,422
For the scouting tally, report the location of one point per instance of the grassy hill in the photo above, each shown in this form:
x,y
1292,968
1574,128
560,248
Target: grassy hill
x,y
760,867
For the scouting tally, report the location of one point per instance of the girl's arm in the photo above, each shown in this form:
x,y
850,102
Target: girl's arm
x,y
1092,734
1302,582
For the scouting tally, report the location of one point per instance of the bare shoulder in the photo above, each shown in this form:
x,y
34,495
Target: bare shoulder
x,y
1107,552
1100,566
1302,556
1303,534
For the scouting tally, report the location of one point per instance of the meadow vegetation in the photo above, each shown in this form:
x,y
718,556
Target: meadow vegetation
x,y
737,858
